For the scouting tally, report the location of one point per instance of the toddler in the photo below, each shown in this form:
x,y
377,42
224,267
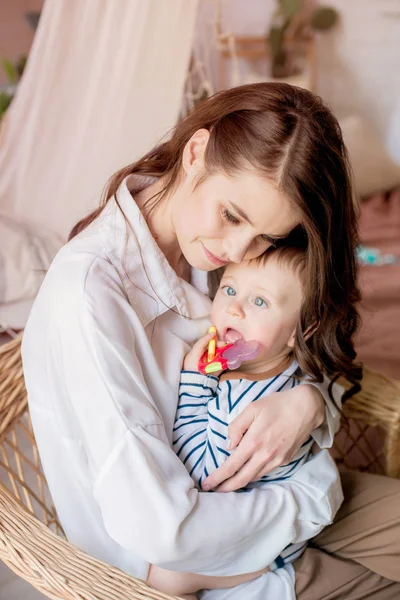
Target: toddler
x,y
257,300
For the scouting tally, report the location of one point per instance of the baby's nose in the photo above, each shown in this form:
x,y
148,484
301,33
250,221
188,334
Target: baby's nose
x,y
235,310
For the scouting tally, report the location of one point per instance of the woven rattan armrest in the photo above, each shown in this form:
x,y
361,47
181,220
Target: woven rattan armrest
x,y
377,404
57,568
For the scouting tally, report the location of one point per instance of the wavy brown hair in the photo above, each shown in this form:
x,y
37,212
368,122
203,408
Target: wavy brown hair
x,y
289,136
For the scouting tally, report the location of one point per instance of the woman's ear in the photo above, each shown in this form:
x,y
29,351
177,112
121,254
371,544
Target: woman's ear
x,y
194,151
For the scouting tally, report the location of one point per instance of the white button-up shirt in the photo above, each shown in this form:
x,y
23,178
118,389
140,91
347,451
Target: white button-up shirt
x,y
102,354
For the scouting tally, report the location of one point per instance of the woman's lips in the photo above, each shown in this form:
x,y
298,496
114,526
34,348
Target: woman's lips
x,y
214,259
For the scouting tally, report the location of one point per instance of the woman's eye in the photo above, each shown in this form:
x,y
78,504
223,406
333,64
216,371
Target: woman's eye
x,y
229,291
228,216
266,239
259,301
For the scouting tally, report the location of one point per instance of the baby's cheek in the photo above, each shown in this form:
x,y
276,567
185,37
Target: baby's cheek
x,y
216,312
264,334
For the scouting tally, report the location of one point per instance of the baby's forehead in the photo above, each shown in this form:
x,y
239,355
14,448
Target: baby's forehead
x,y
257,266
270,274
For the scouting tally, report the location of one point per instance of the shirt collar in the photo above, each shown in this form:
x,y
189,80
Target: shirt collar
x,y
139,260
269,374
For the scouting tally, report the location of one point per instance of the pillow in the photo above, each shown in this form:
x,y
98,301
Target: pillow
x,y
373,169
25,254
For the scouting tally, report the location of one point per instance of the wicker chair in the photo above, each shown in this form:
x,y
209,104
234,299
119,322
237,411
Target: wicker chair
x,y
32,542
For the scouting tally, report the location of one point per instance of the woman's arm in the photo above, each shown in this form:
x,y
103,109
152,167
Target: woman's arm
x,y
180,583
272,430
148,502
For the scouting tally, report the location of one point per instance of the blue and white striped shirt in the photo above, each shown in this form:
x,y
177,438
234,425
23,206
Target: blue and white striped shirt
x,y
207,405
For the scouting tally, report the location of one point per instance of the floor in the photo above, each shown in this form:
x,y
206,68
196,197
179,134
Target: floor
x,y
14,588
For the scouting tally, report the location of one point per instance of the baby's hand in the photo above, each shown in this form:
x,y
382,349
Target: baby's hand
x,y
191,362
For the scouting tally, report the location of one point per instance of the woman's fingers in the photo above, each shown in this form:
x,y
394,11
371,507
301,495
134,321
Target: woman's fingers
x,y
240,425
267,467
230,467
249,472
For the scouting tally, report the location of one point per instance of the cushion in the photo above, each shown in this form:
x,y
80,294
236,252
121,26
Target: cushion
x,y
26,252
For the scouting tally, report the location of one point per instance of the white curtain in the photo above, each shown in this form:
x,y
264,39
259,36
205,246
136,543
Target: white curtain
x,y
103,83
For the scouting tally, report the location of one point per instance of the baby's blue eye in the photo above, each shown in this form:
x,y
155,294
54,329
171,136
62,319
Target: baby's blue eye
x,y
229,291
259,301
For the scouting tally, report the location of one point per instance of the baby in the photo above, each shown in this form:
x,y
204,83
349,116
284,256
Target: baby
x,y
257,300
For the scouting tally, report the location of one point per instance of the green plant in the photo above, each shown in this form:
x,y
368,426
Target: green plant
x,y
10,71
13,73
5,101
291,18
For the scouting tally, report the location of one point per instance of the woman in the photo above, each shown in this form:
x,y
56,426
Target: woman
x,y
123,302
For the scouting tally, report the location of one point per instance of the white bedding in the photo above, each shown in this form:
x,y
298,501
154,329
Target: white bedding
x,y
26,252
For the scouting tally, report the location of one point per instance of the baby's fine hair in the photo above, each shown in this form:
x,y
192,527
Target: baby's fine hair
x,y
307,342
291,256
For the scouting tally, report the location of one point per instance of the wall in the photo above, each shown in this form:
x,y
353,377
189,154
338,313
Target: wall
x,y
15,34
358,63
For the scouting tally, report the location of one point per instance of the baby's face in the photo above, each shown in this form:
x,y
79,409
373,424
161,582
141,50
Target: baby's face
x,y
259,302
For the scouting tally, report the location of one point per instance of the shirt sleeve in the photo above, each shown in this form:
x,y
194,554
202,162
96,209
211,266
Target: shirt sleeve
x,y
190,433
332,395
148,502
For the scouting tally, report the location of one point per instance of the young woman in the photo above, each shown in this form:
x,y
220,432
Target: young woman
x,y
127,297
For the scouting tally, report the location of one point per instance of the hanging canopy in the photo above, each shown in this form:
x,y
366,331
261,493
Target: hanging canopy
x,y
104,82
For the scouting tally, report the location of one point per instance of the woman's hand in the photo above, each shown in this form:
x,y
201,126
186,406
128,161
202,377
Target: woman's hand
x,y
268,434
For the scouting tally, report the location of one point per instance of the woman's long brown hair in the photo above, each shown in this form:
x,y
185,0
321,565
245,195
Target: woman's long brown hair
x,y
289,136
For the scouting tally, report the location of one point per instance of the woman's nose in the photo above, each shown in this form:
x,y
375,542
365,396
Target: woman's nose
x,y
235,249
235,310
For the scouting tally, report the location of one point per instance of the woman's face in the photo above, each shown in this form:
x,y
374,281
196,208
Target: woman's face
x,y
228,219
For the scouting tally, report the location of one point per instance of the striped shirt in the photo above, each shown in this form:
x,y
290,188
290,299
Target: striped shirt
x,y
206,407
